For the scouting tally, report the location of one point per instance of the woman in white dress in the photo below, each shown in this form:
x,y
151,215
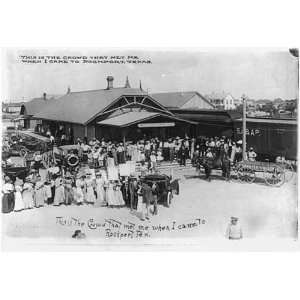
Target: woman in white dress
x,y
90,195
27,194
159,156
78,194
134,152
110,194
100,201
39,192
101,158
59,197
119,201
19,203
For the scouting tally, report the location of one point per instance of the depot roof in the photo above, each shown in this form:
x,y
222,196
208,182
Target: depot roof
x,y
80,107
177,99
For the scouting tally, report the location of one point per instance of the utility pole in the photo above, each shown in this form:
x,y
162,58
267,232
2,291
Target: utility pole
x,y
244,126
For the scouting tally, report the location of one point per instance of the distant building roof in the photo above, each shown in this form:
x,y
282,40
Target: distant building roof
x,y
80,107
12,104
177,99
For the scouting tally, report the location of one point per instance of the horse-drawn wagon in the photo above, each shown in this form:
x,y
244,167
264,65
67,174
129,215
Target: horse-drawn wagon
x,y
272,173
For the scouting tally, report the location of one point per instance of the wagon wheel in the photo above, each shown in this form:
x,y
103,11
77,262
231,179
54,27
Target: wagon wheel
x,y
234,171
169,199
288,172
246,174
275,176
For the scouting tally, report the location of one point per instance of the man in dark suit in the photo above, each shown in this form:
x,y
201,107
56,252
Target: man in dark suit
x,y
133,193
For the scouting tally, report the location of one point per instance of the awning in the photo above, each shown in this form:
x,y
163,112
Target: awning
x,y
134,117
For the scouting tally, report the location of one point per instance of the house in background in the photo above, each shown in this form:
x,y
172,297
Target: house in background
x,y
263,104
12,107
238,102
222,101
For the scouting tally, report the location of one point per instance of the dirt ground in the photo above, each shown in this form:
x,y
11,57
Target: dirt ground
x,y
201,210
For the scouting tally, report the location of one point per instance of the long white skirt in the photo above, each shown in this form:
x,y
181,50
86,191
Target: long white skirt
x,y
28,199
19,203
100,195
59,196
90,196
78,195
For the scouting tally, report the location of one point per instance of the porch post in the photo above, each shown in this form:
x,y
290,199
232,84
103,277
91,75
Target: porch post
x,y
124,132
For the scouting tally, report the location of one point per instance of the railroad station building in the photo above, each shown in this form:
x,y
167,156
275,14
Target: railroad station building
x,y
119,113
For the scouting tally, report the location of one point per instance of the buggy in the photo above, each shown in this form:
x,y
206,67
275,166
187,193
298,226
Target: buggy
x,y
165,187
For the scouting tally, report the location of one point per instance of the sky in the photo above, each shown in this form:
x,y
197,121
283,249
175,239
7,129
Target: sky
x,y
257,73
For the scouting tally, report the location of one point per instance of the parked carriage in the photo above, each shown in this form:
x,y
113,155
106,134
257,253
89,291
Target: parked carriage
x,y
17,168
165,187
273,174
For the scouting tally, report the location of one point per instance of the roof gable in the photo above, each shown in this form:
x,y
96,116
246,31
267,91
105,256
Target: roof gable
x,y
173,99
80,107
177,99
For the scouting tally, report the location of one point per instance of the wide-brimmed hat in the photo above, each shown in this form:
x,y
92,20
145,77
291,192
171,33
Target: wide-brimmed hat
x,y
18,181
6,178
239,142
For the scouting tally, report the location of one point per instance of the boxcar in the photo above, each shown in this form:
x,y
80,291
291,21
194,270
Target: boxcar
x,y
270,137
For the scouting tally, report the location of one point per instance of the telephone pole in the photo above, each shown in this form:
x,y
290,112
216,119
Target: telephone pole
x,y
244,125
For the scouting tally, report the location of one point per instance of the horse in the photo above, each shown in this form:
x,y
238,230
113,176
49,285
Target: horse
x,y
220,161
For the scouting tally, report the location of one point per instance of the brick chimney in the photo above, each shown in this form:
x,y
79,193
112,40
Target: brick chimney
x,y
127,84
110,81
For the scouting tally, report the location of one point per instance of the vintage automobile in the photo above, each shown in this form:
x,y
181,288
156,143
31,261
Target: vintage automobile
x,y
70,155
16,168
166,188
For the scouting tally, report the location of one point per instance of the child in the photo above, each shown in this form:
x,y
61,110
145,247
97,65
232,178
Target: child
x,y
152,161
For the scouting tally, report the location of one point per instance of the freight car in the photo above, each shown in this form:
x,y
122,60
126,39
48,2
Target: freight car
x,y
269,137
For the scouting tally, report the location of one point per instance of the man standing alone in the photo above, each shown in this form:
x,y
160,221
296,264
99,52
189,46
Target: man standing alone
x,y
234,230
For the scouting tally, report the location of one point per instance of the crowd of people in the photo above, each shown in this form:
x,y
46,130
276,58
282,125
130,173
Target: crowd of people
x,y
87,188
52,182
153,151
